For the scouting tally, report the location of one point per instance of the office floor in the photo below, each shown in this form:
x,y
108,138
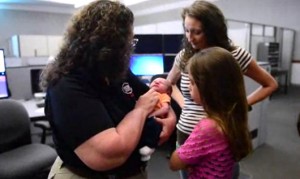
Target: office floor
x,y
278,158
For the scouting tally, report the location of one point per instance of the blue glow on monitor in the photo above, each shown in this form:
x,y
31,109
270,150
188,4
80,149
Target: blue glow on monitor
x,y
4,93
147,64
2,64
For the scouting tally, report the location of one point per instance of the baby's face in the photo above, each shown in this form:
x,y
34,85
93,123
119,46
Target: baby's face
x,y
160,85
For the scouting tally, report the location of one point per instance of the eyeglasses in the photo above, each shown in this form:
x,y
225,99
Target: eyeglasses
x,y
134,42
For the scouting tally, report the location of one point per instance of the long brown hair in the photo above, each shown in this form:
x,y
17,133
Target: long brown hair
x,y
213,26
97,39
220,82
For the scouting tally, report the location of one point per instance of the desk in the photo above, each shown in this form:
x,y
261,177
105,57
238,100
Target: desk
x,y
34,112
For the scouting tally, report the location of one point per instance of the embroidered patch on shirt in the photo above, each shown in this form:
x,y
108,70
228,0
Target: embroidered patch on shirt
x,y
126,88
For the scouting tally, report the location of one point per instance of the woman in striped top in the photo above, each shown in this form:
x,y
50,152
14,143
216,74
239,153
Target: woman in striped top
x,y
204,25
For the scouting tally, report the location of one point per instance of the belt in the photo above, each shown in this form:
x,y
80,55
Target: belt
x,y
95,175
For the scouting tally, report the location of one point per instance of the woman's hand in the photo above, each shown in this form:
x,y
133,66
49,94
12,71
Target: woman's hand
x,y
148,101
168,125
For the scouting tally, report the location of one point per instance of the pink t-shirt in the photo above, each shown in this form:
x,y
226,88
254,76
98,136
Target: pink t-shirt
x,y
207,152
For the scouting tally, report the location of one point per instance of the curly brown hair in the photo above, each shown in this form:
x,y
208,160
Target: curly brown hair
x,y
213,26
97,39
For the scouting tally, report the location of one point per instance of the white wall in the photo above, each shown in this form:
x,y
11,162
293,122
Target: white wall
x,y
14,22
272,12
160,16
170,27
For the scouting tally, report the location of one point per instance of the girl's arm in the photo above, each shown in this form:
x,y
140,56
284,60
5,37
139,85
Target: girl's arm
x,y
176,163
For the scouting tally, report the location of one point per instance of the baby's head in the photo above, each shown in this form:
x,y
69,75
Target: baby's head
x,y
161,85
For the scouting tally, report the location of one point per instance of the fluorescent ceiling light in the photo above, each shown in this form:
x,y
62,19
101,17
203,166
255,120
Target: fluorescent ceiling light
x,y
132,2
79,3
60,1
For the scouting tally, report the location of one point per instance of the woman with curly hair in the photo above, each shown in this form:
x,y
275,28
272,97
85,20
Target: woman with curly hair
x,y
96,107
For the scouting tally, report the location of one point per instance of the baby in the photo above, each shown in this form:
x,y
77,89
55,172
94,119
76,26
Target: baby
x,y
164,87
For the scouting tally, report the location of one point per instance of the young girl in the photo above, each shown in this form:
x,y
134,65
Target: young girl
x,y
222,138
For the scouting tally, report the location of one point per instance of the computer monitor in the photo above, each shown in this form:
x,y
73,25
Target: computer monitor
x,y
147,64
149,43
35,80
4,92
168,62
172,43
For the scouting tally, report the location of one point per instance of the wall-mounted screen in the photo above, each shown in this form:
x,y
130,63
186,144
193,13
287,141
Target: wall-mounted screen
x,y
4,92
172,43
149,43
168,62
147,64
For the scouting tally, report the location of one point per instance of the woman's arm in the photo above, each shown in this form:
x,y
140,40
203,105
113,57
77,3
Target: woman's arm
x,y
261,76
177,96
111,148
168,125
173,77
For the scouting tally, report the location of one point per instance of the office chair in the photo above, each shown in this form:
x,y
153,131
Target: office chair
x,y
19,157
39,96
46,129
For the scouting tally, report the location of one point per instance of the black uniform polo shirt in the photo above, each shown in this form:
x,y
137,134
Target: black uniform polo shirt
x,y
78,107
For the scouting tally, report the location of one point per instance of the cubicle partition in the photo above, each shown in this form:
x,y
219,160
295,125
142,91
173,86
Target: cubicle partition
x,y
257,116
20,83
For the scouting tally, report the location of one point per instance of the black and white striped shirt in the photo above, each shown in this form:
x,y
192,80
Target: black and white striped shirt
x,y
191,112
